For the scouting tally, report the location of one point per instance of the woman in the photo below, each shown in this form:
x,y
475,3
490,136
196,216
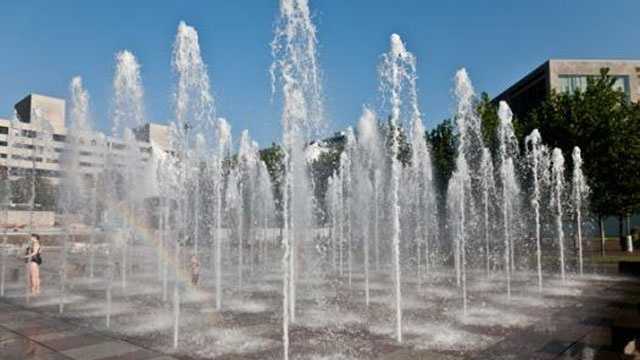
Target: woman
x,y
33,264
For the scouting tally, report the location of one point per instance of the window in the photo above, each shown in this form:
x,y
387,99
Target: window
x,y
4,130
60,138
23,146
573,83
3,143
28,133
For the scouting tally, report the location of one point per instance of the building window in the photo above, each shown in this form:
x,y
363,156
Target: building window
x,y
3,143
60,138
4,130
573,83
28,133
23,146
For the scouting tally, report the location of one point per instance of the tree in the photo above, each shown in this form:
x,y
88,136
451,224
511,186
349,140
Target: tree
x,y
606,126
45,192
489,122
273,157
443,140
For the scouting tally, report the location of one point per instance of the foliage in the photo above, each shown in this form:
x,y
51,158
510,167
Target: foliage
x,y
490,122
443,140
606,127
45,192
404,148
273,157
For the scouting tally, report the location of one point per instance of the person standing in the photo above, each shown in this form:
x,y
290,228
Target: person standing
x,y
195,270
33,261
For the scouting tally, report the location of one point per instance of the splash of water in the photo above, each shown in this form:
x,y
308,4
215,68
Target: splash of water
x,y
194,104
580,191
488,188
295,68
396,70
558,188
538,163
127,104
224,142
370,155
507,152
461,199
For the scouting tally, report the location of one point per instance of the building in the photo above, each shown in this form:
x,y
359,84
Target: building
x,y
567,76
35,140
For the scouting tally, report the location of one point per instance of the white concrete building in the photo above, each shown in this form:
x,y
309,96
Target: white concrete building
x,y
36,138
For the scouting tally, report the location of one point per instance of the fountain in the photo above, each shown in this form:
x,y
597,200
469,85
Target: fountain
x,y
507,150
461,199
347,233
296,69
579,191
557,200
488,189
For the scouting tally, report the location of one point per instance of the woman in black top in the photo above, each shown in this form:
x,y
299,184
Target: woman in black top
x,y
33,261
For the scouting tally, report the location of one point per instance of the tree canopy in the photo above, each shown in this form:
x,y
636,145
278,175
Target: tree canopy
x,y
606,126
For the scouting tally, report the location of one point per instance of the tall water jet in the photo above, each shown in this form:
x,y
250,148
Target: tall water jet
x,y
537,155
127,104
579,189
335,194
223,131
397,70
557,193
193,102
295,68
233,201
197,171
370,145
266,203
425,210
346,169
73,197
510,191
248,172
127,113
488,188
461,200
194,114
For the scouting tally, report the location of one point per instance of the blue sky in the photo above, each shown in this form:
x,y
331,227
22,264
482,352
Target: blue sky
x,y
43,44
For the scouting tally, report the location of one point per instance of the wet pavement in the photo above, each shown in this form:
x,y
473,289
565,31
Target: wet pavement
x,y
592,328
590,317
30,335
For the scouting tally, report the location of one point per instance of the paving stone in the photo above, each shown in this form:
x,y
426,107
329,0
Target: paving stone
x,y
66,343
103,349
140,354
21,348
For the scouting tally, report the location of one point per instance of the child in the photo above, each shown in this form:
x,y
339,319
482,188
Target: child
x,y
195,270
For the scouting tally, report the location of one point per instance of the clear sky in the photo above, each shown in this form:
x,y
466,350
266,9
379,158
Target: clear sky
x,y
43,44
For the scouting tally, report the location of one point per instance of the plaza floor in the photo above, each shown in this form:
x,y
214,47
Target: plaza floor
x,y
30,335
588,329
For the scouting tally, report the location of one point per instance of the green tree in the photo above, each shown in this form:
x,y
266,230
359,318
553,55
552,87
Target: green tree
x,y
443,140
489,121
45,192
606,126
